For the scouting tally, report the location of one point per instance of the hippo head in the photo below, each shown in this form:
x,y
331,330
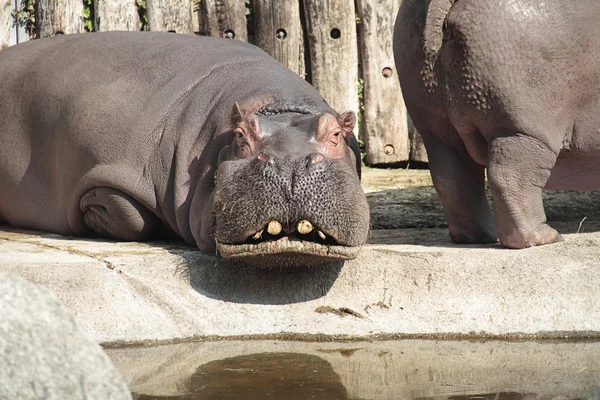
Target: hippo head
x,y
288,188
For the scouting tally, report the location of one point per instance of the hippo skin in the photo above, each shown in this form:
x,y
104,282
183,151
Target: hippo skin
x,y
139,135
513,86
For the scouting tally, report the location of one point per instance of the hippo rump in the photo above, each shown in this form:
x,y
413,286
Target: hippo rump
x,y
513,86
138,135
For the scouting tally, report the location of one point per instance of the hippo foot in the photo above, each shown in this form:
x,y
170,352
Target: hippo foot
x,y
113,214
543,234
484,235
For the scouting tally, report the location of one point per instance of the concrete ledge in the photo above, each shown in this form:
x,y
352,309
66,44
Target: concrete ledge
x,y
132,292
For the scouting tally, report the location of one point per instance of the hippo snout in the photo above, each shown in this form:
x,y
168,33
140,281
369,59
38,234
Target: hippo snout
x,y
308,206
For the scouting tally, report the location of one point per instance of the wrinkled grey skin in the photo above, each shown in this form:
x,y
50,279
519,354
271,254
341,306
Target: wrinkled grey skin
x,y
511,85
121,135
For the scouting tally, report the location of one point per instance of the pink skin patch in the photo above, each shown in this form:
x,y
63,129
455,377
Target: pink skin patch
x,y
263,157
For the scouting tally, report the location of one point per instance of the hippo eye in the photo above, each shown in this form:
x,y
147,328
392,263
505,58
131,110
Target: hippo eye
x,y
335,138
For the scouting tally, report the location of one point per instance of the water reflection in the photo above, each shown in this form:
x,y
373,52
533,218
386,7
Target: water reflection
x,y
499,396
412,370
261,376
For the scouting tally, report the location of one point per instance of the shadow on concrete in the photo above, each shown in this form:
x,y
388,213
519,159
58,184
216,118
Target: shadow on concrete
x,y
230,281
414,215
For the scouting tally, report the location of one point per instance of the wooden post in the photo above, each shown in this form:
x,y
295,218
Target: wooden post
x,y
116,15
58,17
170,15
384,116
278,31
331,30
5,23
417,148
224,18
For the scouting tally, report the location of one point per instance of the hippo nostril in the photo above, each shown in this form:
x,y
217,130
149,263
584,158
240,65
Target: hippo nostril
x,y
263,157
315,158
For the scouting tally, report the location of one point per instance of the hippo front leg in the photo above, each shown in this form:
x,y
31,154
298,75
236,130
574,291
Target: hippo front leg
x,y
518,170
113,214
460,184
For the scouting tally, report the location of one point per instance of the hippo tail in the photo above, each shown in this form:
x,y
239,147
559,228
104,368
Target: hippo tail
x,y
437,12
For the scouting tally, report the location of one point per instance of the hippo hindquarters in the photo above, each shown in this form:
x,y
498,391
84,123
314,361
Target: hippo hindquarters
x,y
508,95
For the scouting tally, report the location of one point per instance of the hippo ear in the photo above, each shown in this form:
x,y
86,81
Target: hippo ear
x,y
236,114
348,121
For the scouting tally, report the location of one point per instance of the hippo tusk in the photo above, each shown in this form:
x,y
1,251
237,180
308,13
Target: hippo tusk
x,y
304,227
258,235
321,235
274,228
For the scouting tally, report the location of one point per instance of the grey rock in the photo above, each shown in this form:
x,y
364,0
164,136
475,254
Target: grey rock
x,y
44,354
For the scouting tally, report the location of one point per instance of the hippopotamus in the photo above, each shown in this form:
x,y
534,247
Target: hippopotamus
x,y
511,86
136,136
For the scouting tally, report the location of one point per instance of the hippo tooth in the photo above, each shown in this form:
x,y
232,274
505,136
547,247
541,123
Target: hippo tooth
x,y
321,235
258,235
304,227
274,228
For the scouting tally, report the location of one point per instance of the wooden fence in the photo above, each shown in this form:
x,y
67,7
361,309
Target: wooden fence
x,y
343,47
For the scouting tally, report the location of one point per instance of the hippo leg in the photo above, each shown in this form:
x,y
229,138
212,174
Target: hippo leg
x,y
519,167
113,214
460,184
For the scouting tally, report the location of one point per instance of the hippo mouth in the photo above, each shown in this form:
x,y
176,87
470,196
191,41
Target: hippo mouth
x,y
303,245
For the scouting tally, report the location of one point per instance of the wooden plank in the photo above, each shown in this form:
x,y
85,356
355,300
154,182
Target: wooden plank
x,y
278,31
224,18
385,118
116,15
5,23
58,17
417,148
195,17
331,30
170,16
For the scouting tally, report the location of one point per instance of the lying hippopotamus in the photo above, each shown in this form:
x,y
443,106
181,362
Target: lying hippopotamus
x,y
511,85
132,135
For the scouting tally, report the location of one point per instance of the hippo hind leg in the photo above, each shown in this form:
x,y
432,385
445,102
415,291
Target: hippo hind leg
x,y
113,214
519,167
460,184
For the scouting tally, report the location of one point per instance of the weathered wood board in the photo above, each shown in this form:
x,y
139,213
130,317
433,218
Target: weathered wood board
x,y
170,16
58,17
331,30
116,15
278,31
223,18
384,115
5,23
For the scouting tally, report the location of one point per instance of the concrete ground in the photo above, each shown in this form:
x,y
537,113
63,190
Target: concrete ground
x,y
410,280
